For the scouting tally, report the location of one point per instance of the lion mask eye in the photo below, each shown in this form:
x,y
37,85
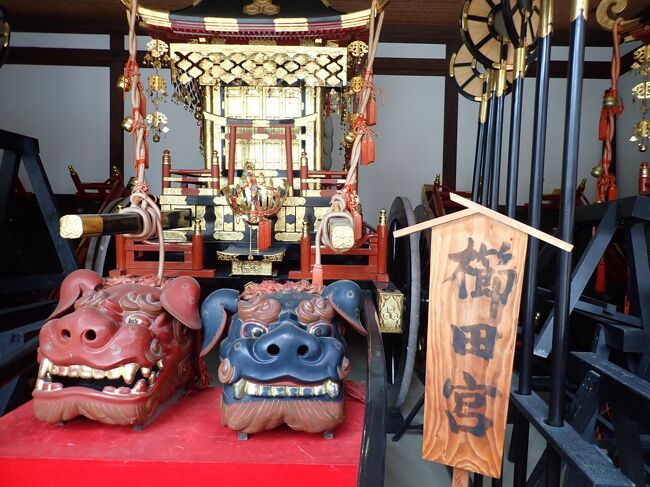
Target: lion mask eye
x,y
133,320
320,329
253,329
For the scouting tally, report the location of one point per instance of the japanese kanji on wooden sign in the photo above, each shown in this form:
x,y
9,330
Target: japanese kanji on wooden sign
x,y
477,267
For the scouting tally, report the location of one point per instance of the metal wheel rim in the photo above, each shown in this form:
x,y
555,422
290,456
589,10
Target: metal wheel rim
x,y
402,207
423,213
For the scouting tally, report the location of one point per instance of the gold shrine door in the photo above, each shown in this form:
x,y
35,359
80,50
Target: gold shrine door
x,y
269,103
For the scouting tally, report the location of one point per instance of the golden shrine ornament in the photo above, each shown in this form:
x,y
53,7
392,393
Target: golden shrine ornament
x,y
357,48
265,7
356,84
157,48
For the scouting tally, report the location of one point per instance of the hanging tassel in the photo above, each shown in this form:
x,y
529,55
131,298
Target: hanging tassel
x,y
371,110
264,235
358,225
367,149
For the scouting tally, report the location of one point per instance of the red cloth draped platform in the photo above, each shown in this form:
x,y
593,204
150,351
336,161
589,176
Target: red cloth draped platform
x,y
185,445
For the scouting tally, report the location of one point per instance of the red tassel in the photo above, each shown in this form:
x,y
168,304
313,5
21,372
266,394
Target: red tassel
x,y
264,235
602,126
367,150
358,225
371,110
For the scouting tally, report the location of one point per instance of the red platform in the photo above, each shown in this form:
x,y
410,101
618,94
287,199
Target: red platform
x,y
185,445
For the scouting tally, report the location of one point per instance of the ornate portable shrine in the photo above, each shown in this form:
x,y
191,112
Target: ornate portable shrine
x,y
263,79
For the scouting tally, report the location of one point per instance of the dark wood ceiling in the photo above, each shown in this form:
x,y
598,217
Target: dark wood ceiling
x,y
406,20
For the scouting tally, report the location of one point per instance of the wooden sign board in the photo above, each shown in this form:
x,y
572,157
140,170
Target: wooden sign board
x,y
477,268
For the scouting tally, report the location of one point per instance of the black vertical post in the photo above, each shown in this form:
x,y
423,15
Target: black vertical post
x,y
567,213
479,156
515,130
489,138
498,136
545,31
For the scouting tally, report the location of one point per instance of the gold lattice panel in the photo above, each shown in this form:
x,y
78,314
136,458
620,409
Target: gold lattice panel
x,y
259,65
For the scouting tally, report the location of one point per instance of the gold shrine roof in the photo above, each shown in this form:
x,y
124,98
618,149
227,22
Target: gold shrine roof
x,y
283,20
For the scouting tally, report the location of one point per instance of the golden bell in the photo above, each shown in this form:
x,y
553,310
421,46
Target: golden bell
x,y
609,101
156,138
597,171
127,124
350,136
123,83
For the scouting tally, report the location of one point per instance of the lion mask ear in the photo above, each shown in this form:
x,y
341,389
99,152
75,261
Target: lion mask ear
x,y
73,286
215,318
345,298
180,298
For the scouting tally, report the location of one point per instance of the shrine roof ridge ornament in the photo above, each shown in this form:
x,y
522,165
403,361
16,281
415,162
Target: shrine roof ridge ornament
x,y
472,208
283,19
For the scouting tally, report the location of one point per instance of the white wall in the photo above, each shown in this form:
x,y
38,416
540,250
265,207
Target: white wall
x,y
66,109
409,143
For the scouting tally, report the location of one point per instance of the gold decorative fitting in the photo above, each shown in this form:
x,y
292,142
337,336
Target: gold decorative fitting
x,y
609,10
356,84
305,229
357,48
545,18
127,124
382,216
157,48
123,83
261,7
520,61
390,305
579,8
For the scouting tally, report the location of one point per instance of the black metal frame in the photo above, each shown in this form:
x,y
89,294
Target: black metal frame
x,y
19,148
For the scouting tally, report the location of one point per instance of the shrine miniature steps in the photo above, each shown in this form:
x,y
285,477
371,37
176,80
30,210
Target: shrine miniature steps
x,y
185,443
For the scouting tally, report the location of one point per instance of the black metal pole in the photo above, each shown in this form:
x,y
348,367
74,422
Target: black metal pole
x,y
515,130
545,32
567,213
489,139
479,156
536,188
498,136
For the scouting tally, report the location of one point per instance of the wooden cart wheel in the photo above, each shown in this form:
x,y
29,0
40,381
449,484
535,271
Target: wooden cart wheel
x,y
423,213
492,29
404,272
521,19
469,75
5,35
483,31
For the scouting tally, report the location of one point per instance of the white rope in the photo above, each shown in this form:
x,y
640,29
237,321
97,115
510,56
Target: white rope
x,y
339,202
142,203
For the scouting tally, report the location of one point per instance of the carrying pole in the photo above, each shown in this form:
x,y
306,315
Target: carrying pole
x,y
544,36
489,138
500,95
479,156
567,213
515,128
